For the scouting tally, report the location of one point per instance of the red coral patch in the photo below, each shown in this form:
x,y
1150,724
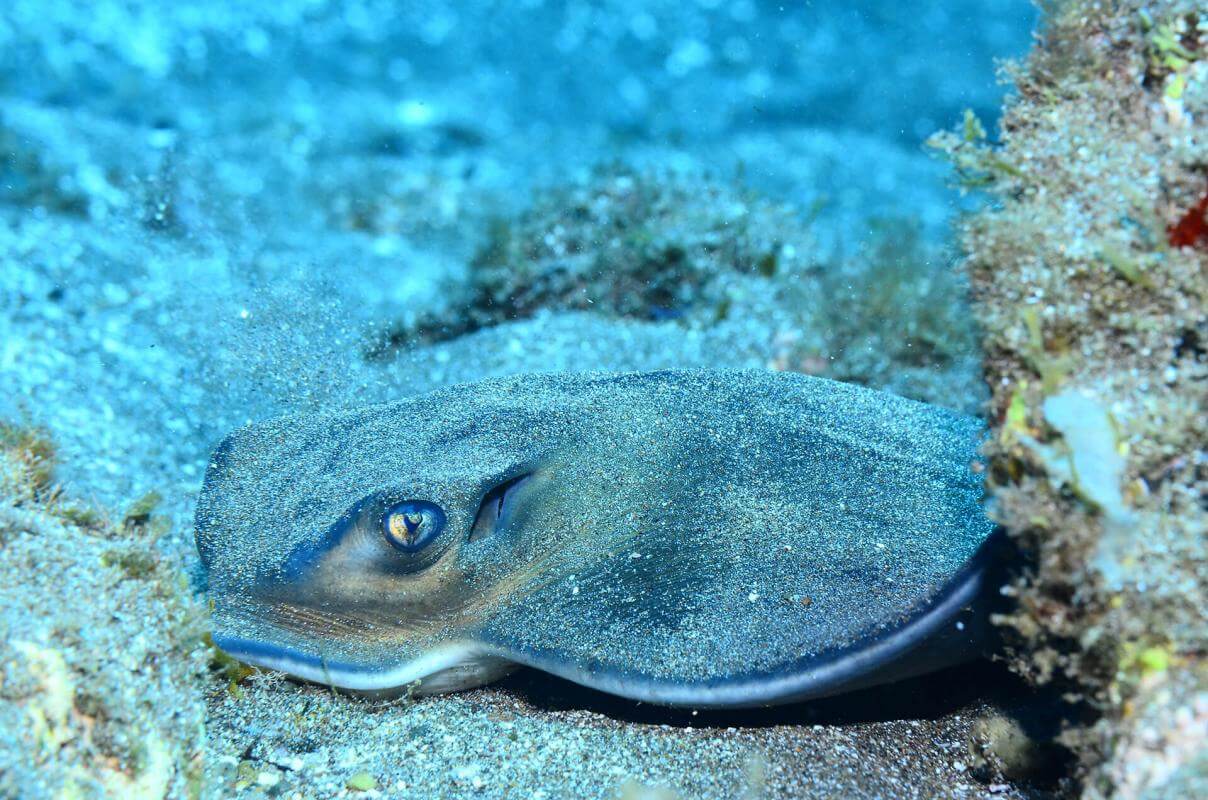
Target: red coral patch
x,y
1192,228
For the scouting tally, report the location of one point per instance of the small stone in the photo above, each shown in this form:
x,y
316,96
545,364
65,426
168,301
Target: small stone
x,y
361,782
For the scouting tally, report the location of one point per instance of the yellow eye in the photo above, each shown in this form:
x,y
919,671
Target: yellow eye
x,y
411,525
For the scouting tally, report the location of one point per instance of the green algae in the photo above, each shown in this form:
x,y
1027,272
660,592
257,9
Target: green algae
x,y
231,670
1128,268
1153,659
31,455
135,563
976,165
140,511
82,516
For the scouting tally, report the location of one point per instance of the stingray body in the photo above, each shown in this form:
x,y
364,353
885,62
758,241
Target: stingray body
x,y
696,538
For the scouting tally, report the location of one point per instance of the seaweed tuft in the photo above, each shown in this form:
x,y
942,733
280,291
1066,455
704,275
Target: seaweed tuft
x,y
30,454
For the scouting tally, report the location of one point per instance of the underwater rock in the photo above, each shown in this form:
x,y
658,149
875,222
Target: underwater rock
x,y
1083,291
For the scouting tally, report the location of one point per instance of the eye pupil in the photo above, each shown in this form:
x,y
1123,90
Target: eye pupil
x,y
409,526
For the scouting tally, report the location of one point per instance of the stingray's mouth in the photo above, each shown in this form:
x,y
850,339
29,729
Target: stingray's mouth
x,y
449,667
350,653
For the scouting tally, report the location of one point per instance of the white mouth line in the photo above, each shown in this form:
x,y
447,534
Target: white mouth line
x,y
454,655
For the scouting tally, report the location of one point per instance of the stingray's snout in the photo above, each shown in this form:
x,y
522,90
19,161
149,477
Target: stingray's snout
x,y
351,654
283,635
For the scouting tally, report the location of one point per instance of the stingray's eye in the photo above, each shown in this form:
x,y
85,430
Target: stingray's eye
x,y
412,524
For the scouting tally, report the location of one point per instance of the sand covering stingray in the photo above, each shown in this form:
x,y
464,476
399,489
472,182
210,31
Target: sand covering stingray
x,y
697,537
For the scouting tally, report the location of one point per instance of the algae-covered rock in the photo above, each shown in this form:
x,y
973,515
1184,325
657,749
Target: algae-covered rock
x,y
100,685
678,249
1089,275
640,245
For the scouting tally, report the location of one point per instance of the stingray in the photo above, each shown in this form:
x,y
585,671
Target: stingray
x,y
689,538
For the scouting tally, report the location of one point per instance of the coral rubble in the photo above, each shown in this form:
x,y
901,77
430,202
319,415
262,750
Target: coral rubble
x,y
1089,280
